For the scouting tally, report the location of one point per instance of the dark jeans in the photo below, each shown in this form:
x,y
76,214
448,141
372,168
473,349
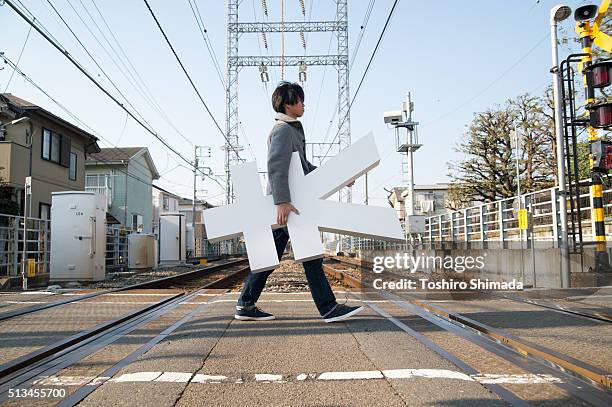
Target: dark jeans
x,y
320,290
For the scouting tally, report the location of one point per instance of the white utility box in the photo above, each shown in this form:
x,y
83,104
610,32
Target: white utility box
x,y
141,251
415,224
172,238
78,236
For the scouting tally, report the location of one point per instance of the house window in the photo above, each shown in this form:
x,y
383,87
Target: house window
x,y
137,225
165,204
56,148
44,211
73,167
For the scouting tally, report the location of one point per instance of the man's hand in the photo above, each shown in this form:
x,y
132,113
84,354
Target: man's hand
x,y
282,212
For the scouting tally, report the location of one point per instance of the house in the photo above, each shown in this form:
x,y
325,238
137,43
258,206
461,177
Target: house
x,y
429,200
125,176
186,208
163,202
38,144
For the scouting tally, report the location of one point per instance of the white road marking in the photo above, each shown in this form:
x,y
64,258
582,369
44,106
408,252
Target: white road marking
x,y
204,378
63,381
174,377
262,377
137,377
393,374
365,374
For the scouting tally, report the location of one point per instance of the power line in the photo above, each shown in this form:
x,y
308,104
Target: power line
x,y
204,32
140,87
91,78
91,56
490,85
189,78
18,59
67,111
364,25
380,38
81,122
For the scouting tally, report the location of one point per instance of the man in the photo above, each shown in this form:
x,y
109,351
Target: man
x,y
287,136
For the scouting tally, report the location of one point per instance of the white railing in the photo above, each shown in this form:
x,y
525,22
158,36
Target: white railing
x,y
102,191
498,221
38,245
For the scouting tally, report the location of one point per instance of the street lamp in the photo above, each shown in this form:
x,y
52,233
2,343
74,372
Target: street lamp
x,y
11,123
557,14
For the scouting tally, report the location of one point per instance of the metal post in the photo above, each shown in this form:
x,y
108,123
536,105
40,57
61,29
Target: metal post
x,y
195,179
554,195
501,205
482,224
559,133
366,189
24,252
518,193
465,227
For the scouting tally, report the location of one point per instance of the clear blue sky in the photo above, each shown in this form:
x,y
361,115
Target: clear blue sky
x,y
457,58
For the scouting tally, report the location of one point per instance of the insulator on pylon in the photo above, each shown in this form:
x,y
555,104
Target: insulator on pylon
x,y
265,40
264,6
303,39
263,73
302,72
303,6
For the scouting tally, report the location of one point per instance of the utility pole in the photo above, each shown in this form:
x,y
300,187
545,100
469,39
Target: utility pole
x,y
558,14
406,146
200,152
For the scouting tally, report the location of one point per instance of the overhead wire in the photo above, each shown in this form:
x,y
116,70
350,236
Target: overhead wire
x,y
178,59
18,59
200,23
96,133
62,50
362,30
463,104
146,93
374,52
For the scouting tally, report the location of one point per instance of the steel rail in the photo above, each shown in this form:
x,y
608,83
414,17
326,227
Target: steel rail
x,y
591,315
69,354
506,346
147,284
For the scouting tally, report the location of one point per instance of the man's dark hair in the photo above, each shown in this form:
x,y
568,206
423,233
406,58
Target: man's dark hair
x,y
286,93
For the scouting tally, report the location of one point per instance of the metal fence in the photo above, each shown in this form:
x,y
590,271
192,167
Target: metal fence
x,y
116,247
38,245
498,221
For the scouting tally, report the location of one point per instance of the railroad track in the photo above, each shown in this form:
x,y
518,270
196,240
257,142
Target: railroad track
x,y
21,372
178,280
550,305
579,379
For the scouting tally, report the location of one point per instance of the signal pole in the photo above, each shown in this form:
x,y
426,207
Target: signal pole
x,y
587,32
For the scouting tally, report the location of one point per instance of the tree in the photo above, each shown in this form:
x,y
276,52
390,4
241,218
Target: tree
x,y
488,172
538,153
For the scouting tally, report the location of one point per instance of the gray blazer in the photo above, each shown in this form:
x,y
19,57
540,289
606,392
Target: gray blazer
x,y
286,136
